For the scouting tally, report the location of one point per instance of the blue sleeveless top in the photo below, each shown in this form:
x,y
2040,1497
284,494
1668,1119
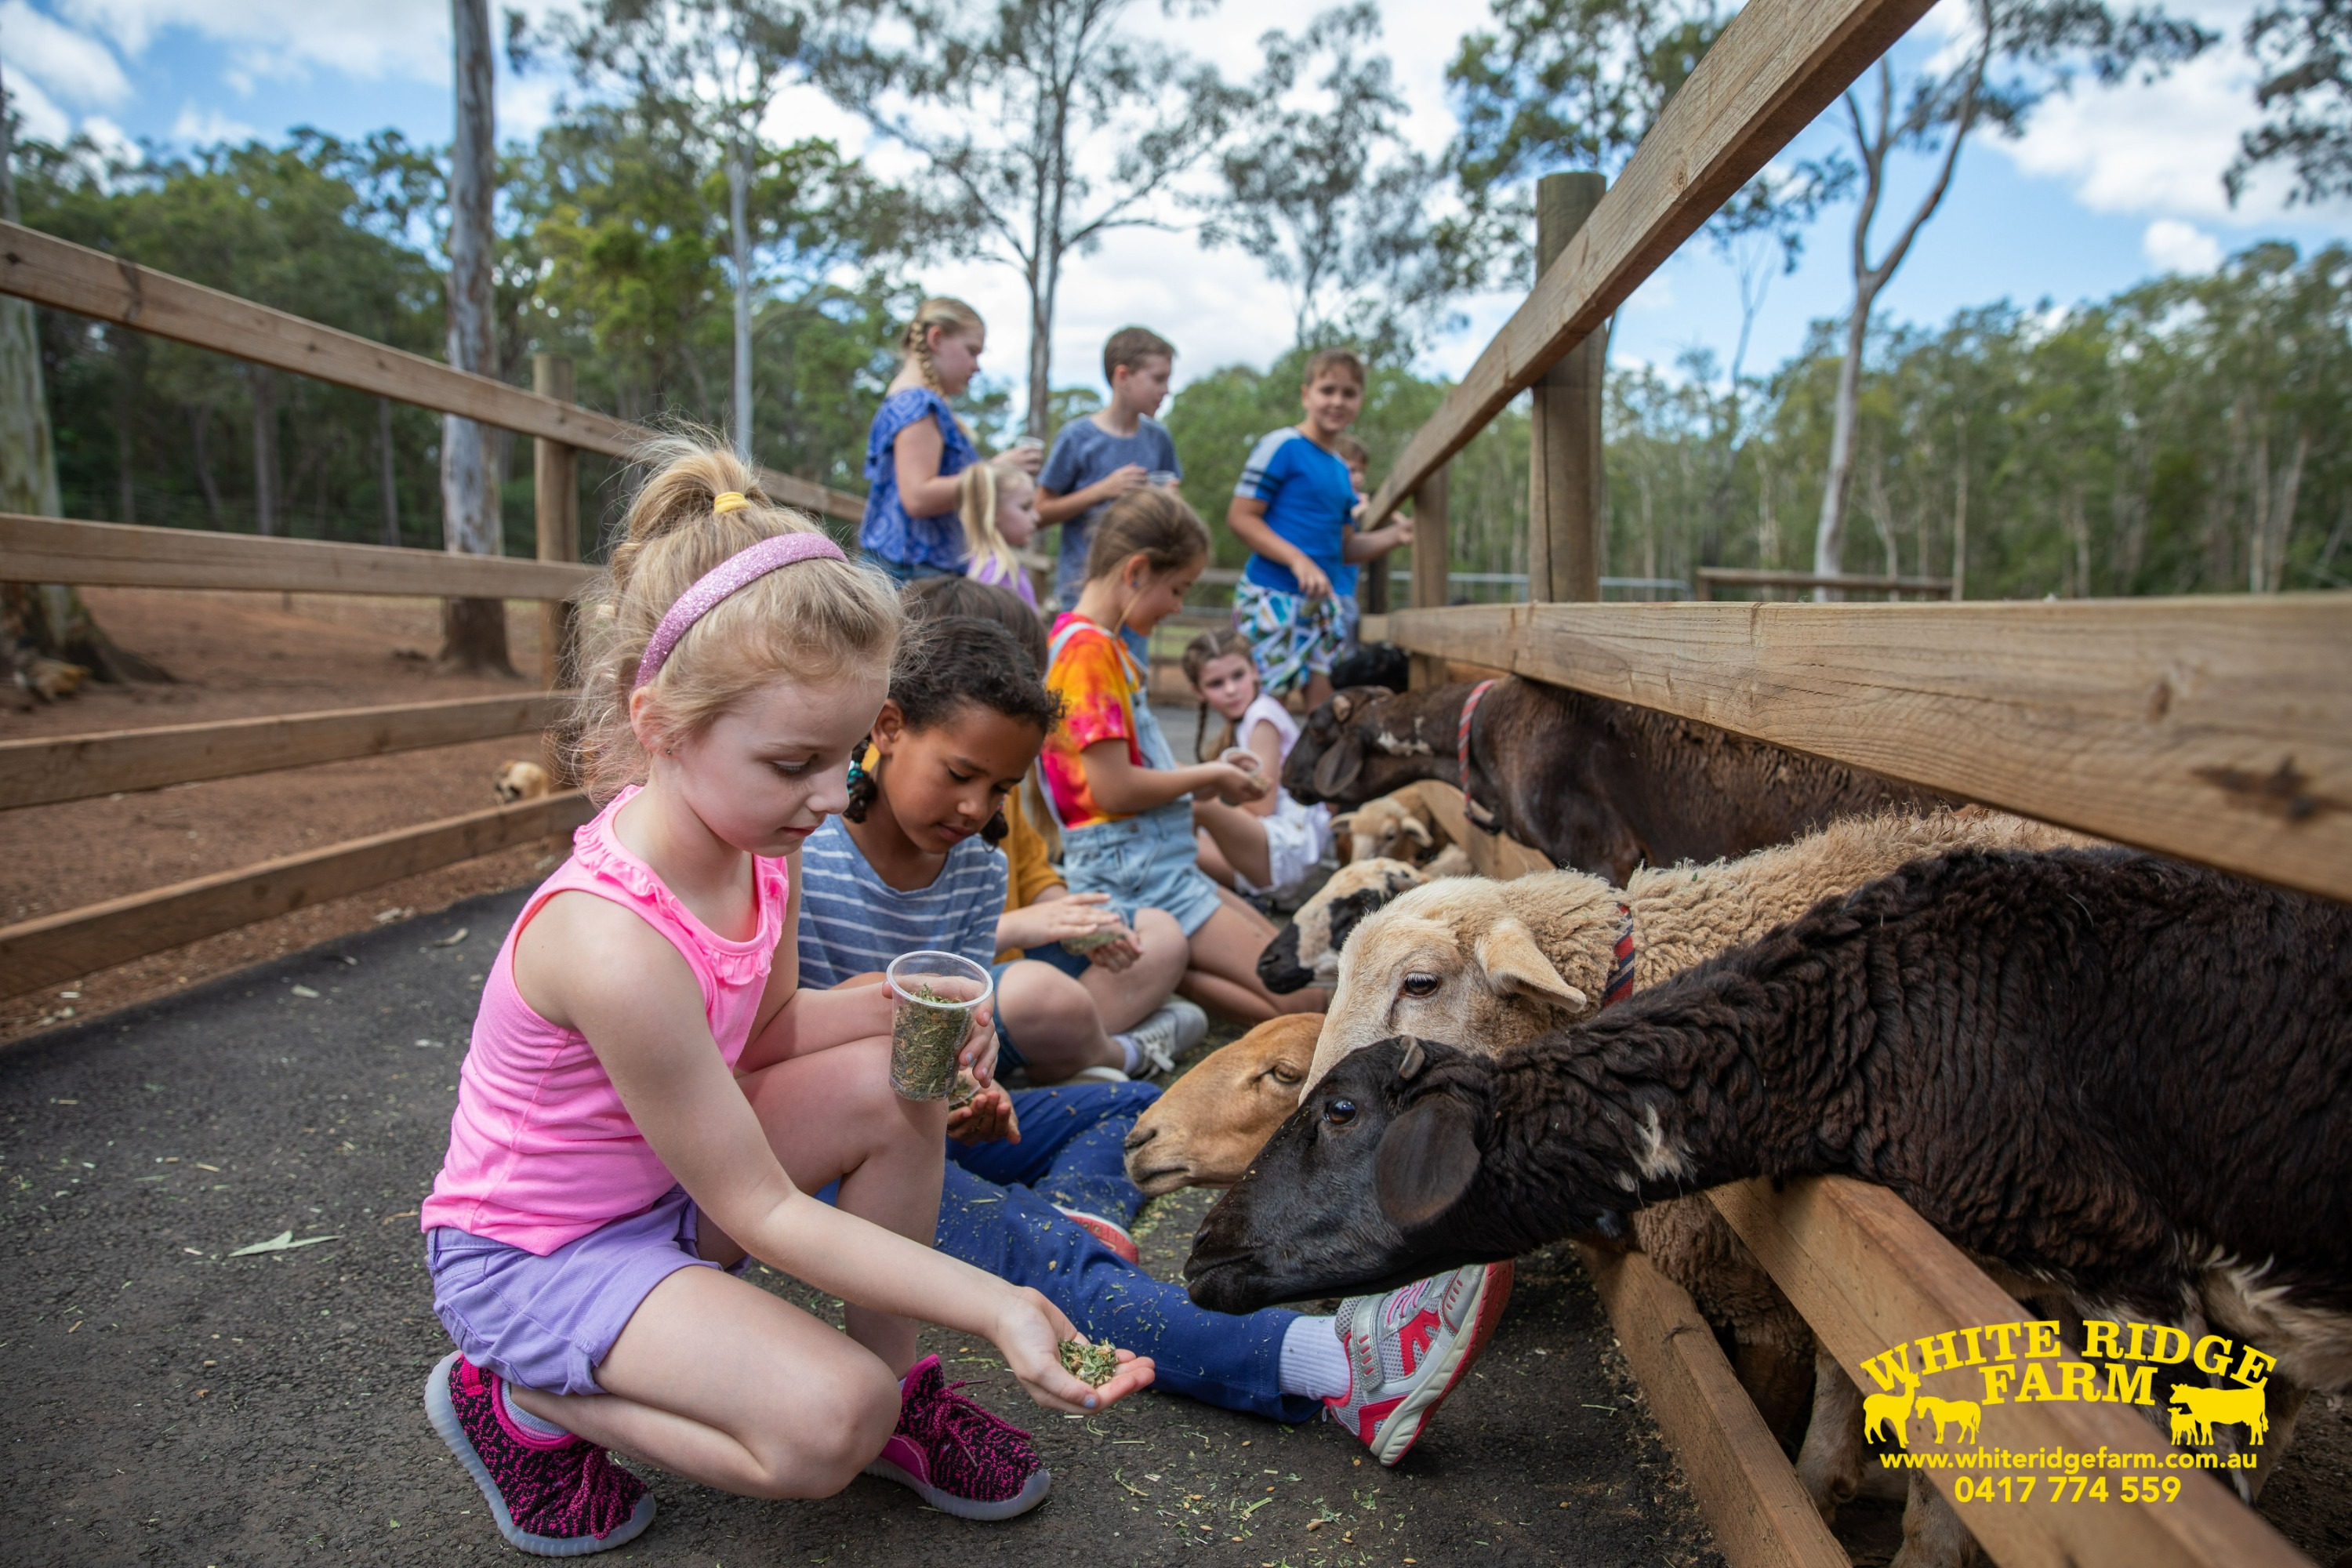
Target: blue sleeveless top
x,y
887,531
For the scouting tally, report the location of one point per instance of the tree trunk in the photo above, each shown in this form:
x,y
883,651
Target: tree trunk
x,y
262,383
472,631
1960,513
387,477
1845,414
200,422
739,176
50,617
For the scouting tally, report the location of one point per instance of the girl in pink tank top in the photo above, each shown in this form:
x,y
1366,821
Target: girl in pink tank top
x,y
649,1098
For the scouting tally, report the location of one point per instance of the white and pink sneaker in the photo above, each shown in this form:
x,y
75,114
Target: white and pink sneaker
x,y
1406,1350
1110,1233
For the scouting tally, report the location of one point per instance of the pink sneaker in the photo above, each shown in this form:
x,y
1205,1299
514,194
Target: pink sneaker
x,y
957,1457
1407,1349
1109,1233
550,1497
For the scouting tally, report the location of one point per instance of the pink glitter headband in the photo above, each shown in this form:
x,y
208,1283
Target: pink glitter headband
x,y
737,570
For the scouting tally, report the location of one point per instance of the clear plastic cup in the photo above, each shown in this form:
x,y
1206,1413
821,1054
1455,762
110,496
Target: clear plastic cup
x,y
1163,479
1028,443
1241,757
931,998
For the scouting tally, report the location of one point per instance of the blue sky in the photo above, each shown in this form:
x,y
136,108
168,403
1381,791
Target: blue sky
x,y
2107,187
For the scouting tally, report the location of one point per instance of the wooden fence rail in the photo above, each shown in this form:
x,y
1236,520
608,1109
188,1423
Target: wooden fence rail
x,y
76,767
2215,729
40,953
1713,577
129,555
1779,64
66,277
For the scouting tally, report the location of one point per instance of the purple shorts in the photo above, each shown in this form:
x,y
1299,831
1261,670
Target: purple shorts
x,y
546,1322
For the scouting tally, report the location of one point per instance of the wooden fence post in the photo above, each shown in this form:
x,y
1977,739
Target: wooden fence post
x,y
1567,509
555,495
1431,551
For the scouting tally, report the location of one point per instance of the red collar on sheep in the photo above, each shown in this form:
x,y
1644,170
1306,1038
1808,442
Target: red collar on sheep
x,y
1621,962
1462,745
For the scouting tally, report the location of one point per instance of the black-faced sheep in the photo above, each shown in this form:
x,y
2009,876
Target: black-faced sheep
x,y
1598,786
2120,1077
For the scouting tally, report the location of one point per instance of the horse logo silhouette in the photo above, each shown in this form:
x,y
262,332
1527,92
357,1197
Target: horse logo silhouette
x,y
1966,1413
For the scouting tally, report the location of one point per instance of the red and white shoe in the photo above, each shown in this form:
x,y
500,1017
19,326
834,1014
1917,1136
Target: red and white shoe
x,y
1109,1233
1406,1350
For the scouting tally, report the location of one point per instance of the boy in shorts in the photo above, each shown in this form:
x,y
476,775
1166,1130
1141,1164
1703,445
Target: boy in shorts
x,y
1295,508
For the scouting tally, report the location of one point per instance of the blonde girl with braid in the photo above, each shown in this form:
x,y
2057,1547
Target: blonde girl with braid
x,y
917,448
651,1097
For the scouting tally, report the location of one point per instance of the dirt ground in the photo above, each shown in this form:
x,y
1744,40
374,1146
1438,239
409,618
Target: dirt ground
x,y
241,655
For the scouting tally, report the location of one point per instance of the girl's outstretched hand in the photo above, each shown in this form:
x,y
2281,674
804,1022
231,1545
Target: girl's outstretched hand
x,y
986,1118
1030,1331
977,1056
1236,787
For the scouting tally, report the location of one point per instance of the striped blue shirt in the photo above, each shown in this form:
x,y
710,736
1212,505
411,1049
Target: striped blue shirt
x,y
853,922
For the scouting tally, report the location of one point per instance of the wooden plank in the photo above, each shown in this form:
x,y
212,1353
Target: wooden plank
x,y
1742,577
2217,729
64,946
127,555
1432,555
1753,1502
66,277
75,767
1568,506
1778,65
1868,1273
555,508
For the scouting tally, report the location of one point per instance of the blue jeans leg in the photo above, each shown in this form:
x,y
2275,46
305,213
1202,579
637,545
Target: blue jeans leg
x,y
1232,1363
1072,1149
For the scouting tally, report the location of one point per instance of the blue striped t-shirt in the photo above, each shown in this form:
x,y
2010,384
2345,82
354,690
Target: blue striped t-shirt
x,y
853,922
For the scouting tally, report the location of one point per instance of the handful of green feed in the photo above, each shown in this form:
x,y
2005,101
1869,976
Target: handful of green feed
x,y
1092,1364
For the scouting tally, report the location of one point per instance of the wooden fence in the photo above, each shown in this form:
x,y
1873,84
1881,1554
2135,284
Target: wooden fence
x,y
40,953
2217,729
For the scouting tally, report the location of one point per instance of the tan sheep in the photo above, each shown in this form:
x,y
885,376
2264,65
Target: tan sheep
x,y
1489,964
1211,1123
1424,824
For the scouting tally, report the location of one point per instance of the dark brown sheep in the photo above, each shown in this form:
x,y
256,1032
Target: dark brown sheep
x,y
1597,785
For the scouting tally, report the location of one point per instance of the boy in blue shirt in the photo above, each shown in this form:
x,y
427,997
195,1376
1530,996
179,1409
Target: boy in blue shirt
x,y
1295,508
1113,451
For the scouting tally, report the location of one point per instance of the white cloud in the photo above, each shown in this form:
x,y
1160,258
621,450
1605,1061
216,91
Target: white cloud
x,y
206,127
72,66
44,121
2172,245
275,39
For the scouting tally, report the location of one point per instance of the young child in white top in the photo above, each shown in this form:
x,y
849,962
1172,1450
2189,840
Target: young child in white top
x,y
1264,845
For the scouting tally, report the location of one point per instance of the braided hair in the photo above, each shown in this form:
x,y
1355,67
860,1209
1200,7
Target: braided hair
x,y
1199,653
946,665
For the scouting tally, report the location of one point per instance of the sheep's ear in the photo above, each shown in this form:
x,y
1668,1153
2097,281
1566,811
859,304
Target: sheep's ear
x,y
1336,768
1341,706
1344,823
1418,831
1427,1160
1515,967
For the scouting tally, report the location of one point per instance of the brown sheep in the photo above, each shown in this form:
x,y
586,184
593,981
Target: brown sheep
x,y
1596,785
522,780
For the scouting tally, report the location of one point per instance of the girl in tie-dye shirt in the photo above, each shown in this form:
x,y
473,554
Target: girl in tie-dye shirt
x,y
1111,779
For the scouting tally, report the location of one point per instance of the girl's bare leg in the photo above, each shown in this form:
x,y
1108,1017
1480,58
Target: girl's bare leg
x,y
731,1386
1319,690
721,1381
1211,859
1125,997
1239,836
1053,1018
1224,976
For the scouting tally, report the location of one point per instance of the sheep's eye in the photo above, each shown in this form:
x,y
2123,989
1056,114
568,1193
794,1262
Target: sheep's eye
x,y
1339,1112
1422,984
1287,1074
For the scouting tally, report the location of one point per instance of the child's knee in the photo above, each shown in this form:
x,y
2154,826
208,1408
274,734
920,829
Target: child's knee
x,y
848,1413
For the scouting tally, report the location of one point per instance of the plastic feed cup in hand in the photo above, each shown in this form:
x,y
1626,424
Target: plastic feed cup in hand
x,y
1241,757
931,998
1160,478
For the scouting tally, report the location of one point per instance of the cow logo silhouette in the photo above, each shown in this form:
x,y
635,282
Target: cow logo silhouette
x,y
2195,1410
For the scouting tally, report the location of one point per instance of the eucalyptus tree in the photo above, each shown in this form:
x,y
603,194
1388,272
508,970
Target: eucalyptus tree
x,y
1046,124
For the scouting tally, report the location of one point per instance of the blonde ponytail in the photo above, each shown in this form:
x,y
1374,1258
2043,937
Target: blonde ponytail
x,y
976,489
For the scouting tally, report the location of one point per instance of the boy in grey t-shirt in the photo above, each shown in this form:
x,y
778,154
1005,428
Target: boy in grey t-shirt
x,y
1099,458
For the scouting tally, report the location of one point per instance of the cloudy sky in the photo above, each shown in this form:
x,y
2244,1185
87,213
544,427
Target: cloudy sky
x,y
2106,188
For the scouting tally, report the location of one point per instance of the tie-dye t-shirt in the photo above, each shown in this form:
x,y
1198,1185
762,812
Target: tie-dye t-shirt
x,y
1097,681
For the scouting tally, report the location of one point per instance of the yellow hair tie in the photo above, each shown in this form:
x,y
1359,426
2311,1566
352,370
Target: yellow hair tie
x,y
728,501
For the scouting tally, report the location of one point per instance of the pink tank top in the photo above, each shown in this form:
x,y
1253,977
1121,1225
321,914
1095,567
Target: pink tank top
x,y
541,1151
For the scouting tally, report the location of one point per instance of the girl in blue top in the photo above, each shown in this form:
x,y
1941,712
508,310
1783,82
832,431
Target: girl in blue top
x,y
917,447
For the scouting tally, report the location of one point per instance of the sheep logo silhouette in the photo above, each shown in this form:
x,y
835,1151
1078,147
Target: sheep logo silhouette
x,y
2196,1410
